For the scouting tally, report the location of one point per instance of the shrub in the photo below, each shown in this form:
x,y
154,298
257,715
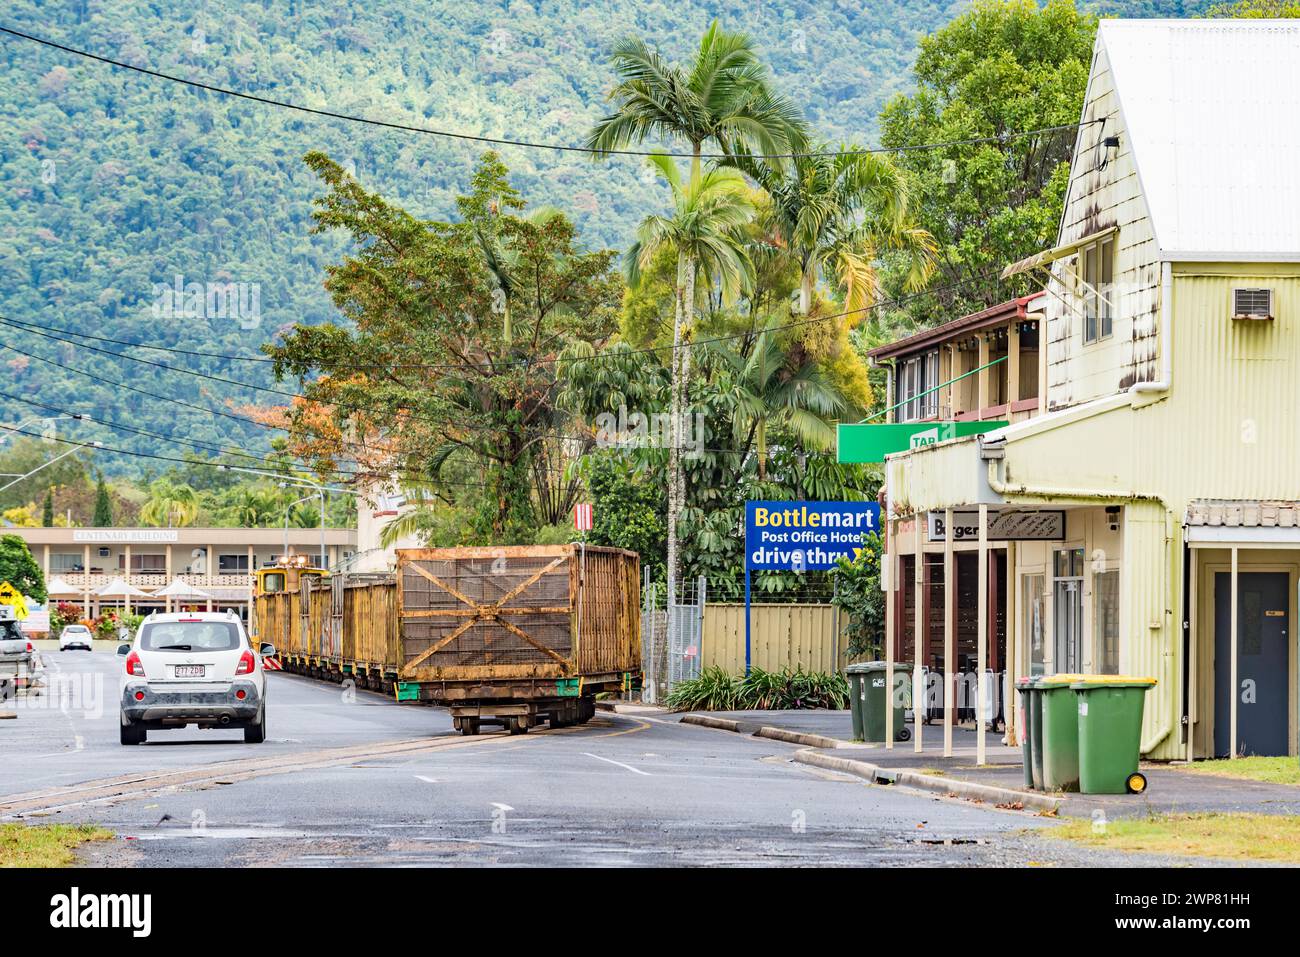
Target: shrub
x,y
784,690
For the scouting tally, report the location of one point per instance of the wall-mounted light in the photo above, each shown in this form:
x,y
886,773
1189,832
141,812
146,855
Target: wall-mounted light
x,y
1110,150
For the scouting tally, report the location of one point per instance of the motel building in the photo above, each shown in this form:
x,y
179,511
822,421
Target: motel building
x,y
161,569
1139,512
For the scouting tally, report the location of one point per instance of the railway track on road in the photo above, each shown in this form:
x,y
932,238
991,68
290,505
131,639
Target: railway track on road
x,y
144,784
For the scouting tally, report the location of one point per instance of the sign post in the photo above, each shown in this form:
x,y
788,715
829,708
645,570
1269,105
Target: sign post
x,y
798,536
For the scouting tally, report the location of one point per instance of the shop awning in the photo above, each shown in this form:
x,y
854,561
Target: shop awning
x,y
1243,522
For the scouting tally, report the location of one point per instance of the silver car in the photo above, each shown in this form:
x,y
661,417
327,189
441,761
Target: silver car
x,y
15,649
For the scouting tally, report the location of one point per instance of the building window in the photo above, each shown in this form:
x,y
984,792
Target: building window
x,y
1105,621
144,564
1035,633
66,562
1097,289
916,376
1067,605
232,564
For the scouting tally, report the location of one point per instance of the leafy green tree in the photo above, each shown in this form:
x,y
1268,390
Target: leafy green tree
x,y
768,391
1256,10
423,294
1000,67
47,511
859,595
170,505
19,568
628,509
103,517
835,215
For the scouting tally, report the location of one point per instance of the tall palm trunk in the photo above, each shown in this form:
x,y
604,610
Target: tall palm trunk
x,y
674,431
683,320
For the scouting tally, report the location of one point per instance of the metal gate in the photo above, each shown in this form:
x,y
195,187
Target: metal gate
x,y
671,633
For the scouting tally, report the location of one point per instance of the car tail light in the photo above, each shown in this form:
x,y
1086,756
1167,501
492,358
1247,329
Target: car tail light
x,y
29,647
241,694
134,666
246,664
139,696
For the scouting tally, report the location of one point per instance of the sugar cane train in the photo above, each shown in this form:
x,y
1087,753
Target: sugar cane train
x,y
509,636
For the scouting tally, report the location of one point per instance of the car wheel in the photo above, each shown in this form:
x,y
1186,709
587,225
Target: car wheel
x,y
256,733
133,734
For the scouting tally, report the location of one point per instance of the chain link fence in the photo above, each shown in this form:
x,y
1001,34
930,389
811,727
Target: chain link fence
x,y
670,655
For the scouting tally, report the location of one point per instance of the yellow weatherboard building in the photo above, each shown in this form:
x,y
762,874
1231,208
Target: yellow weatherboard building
x,y
1168,407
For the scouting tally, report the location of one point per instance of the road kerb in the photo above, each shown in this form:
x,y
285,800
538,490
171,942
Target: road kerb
x,y
706,721
969,790
802,737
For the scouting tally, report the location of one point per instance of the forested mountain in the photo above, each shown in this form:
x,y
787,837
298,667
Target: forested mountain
x,y
119,190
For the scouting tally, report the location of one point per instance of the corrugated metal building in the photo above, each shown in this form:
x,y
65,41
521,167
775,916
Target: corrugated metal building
x,y
1170,425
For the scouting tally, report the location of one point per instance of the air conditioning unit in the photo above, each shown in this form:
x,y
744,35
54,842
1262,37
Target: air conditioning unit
x,y
1252,304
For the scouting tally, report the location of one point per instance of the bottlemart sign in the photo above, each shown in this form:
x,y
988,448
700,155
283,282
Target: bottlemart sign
x,y
857,442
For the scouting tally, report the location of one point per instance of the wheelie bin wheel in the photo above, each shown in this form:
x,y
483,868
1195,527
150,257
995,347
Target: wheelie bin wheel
x,y
904,735
1136,783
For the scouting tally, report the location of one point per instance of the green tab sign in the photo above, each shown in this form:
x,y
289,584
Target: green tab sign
x,y
857,442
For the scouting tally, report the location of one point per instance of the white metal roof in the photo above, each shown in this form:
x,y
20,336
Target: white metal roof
x,y
1212,109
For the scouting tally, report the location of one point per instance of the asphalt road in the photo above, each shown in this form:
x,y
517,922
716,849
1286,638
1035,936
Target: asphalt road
x,y
352,778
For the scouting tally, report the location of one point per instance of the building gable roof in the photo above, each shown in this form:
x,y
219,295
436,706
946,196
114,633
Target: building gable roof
x,y
1212,109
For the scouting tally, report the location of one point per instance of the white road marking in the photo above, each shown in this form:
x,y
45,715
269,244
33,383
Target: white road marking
x,y
426,779
626,767
503,807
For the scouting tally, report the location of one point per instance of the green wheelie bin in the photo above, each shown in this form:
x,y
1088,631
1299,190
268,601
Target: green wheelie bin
x,y
1110,732
873,715
1028,688
1031,723
1059,734
857,675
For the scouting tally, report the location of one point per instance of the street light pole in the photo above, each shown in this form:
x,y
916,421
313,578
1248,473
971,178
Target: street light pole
x,y
74,449
287,509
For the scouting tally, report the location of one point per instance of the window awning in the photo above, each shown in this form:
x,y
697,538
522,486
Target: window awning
x,y
1058,252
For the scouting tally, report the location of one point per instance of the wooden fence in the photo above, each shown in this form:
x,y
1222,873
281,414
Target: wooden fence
x,y
781,636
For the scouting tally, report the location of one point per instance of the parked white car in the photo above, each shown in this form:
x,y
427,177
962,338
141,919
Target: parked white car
x,y
76,636
15,649
193,668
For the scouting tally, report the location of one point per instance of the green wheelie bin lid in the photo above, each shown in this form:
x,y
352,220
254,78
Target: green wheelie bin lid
x,y
1083,682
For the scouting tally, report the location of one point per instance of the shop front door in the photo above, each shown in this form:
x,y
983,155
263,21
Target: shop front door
x,y
1263,663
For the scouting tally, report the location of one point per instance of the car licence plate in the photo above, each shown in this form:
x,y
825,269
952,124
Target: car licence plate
x,y
189,671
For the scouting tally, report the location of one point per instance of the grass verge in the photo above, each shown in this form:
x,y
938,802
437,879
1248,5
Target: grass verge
x,y
1255,837
1270,770
45,845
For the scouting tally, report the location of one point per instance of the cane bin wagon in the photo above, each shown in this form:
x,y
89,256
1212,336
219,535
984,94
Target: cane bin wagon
x,y
517,635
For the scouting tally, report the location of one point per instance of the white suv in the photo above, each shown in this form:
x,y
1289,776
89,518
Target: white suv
x,y
193,668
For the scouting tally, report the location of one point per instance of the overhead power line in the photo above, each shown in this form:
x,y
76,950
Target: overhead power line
x,y
505,141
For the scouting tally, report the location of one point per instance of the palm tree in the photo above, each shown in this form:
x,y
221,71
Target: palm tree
x,y
170,504
834,214
502,261
722,96
766,392
704,231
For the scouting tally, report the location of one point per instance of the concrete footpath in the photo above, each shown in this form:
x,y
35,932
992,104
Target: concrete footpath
x,y
825,735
